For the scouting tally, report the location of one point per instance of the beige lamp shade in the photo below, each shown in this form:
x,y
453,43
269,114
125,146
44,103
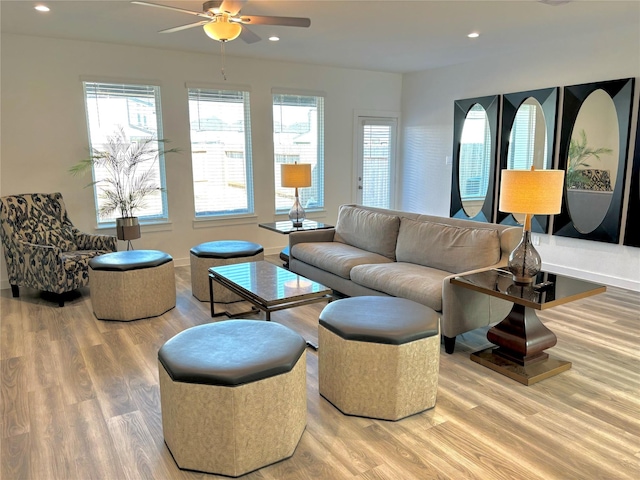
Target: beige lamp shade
x,y
222,29
295,175
534,192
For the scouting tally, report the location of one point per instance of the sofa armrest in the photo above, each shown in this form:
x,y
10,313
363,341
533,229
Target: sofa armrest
x,y
309,236
86,241
464,310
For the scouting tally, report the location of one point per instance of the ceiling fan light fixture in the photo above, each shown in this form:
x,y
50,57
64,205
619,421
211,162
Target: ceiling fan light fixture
x,y
222,30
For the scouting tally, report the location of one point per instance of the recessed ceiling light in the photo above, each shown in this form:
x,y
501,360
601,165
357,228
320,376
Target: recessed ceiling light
x,y
473,35
274,38
42,8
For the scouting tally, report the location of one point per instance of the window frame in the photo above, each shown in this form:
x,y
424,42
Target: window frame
x,y
248,150
102,84
319,176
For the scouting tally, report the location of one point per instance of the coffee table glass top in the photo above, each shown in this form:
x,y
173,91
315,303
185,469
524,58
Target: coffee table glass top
x,y
499,283
285,226
269,283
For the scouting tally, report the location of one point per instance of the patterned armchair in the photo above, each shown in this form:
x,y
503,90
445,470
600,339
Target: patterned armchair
x,y
42,248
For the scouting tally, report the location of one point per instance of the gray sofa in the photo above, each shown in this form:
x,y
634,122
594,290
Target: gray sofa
x,y
373,251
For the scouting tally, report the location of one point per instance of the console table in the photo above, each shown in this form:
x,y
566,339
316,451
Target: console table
x,y
521,338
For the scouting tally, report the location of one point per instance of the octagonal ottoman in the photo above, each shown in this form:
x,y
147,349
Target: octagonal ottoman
x,y
379,357
233,395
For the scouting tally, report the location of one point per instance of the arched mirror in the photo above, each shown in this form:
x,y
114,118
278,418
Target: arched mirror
x,y
593,153
528,132
472,184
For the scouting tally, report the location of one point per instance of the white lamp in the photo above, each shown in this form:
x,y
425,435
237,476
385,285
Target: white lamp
x,y
296,175
529,192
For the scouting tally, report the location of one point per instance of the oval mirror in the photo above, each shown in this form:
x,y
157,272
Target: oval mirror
x,y
528,141
592,163
475,160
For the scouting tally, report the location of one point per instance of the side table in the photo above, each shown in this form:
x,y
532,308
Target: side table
x,y
285,227
521,338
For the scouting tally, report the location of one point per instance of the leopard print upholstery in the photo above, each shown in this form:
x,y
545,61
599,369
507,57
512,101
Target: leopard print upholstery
x,y
594,179
42,248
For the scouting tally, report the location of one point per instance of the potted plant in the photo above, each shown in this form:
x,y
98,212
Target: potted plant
x,y
579,153
126,186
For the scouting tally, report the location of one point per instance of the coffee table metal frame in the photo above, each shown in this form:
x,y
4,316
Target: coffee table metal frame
x,y
267,305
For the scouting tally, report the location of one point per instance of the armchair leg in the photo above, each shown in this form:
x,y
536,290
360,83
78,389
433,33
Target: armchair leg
x,y
61,299
449,344
15,291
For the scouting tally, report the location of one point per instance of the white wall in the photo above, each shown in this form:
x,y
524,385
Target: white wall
x,y
427,115
43,129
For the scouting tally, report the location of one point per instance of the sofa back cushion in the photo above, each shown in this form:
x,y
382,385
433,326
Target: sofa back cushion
x,y
446,247
372,231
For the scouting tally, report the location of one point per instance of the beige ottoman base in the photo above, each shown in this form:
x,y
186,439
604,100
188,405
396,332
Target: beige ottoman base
x,y
200,277
376,380
133,294
234,430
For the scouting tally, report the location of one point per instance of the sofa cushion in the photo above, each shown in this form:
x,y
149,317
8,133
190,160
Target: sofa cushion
x,y
406,280
337,258
371,231
445,247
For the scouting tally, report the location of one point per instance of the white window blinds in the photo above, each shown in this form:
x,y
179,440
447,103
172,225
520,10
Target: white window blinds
x,y
135,109
378,144
221,152
298,137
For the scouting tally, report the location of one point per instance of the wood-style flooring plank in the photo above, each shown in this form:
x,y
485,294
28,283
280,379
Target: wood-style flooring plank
x,y
80,399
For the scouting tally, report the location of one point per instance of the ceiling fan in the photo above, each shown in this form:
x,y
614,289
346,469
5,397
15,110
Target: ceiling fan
x,y
224,23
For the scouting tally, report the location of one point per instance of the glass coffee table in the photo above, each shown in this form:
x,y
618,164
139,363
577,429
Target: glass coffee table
x,y
267,287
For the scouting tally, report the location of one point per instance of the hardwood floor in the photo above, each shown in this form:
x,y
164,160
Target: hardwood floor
x,y
80,400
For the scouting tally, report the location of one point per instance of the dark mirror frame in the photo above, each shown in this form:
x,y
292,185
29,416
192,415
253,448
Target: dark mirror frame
x,y
491,106
511,102
621,92
632,233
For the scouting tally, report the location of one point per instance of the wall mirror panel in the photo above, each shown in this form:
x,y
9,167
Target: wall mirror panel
x,y
527,139
593,152
474,152
632,233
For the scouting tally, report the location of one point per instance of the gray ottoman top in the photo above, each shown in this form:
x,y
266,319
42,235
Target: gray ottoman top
x,y
231,352
129,260
387,320
226,249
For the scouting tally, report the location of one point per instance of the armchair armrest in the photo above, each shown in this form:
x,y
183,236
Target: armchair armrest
x,y
325,235
86,241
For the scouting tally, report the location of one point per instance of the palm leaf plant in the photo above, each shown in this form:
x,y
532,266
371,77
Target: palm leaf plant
x,y
129,177
579,153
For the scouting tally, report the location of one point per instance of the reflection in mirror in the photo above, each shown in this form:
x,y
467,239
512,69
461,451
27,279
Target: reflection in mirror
x,y
528,141
475,160
592,161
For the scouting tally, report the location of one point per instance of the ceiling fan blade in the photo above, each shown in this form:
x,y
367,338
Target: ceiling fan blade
x,y
248,36
190,12
283,21
184,27
232,7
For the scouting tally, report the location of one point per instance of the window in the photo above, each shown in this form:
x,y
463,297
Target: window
x,y
298,136
135,109
221,152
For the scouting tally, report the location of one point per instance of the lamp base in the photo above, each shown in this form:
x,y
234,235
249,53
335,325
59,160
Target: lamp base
x,y
524,261
297,214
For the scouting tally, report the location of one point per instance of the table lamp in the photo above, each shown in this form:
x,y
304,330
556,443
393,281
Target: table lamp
x,y
296,175
529,192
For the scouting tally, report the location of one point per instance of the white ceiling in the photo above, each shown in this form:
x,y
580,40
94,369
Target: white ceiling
x,y
390,35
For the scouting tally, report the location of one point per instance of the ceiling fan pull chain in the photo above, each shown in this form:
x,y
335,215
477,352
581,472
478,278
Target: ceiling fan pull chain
x,y
222,54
